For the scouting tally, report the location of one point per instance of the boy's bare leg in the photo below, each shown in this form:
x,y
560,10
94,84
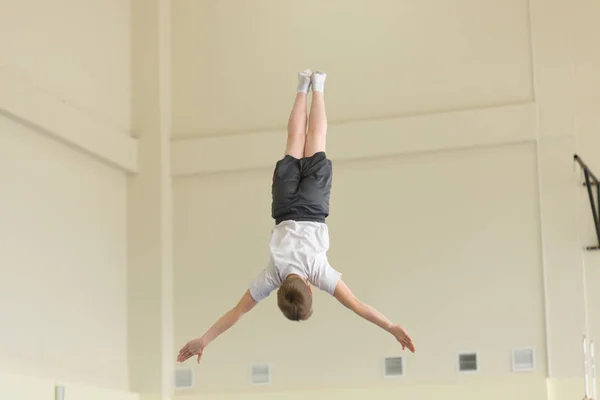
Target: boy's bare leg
x,y
317,124
297,122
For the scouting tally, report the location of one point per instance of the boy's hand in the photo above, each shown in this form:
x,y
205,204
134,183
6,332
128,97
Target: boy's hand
x,y
402,337
192,348
227,320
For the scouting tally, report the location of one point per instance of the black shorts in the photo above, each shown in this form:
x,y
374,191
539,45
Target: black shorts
x,y
301,188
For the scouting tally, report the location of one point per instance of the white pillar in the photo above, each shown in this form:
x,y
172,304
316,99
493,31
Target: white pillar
x,y
150,278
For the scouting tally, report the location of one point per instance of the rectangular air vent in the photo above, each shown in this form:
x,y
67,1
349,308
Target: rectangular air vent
x,y
184,378
467,362
260,374
523,360
394,367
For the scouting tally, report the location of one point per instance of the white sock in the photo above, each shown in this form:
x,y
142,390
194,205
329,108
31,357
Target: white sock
x,y
304,81
318,81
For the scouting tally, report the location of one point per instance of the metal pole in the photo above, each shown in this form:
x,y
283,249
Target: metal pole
x,y
593,370
586,168
593,204
585,368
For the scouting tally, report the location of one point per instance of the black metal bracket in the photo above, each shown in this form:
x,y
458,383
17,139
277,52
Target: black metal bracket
x,y
591,183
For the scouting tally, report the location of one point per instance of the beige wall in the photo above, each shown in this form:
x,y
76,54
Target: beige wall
x,y
459,120
76,51
466,389
386,58
456,262
18,387
64,241
64,74
455,126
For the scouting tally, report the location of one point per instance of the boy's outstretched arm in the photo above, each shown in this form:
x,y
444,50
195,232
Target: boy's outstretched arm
x,y
197,346
345,296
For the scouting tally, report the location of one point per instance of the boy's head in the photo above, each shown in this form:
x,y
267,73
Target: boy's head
x,y
294,298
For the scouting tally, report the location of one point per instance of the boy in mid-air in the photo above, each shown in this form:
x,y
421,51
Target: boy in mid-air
x,y
300,238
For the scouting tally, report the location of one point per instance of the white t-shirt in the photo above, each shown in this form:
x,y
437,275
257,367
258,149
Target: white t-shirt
x,y
297,247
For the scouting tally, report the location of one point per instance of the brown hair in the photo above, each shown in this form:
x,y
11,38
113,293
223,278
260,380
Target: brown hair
x,y
294,299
